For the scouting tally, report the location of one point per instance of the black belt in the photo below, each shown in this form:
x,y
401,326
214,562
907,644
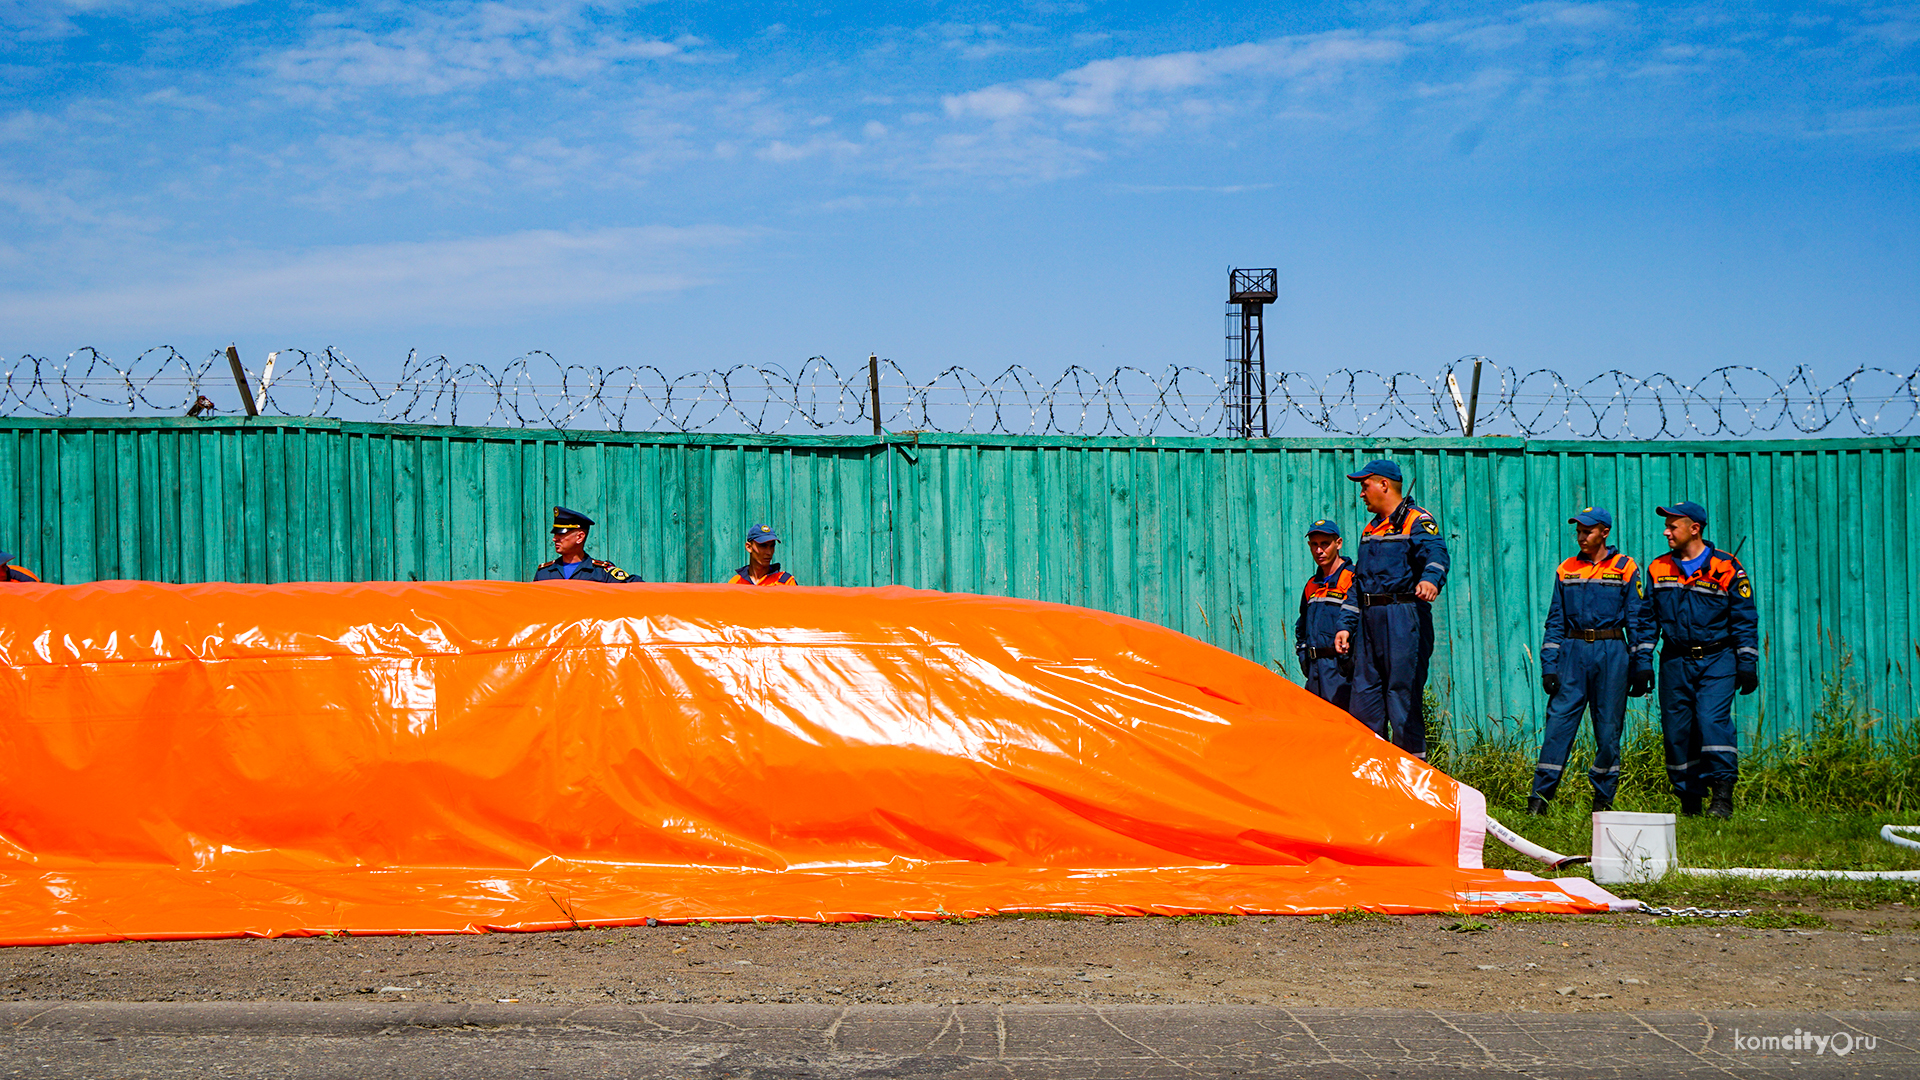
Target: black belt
x,y
1376,599
1328,653
1615,634
1695,652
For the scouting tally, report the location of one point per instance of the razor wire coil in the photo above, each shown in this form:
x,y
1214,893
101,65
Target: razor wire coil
x,y
538,391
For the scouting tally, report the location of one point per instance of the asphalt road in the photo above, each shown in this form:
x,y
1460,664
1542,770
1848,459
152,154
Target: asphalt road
x,y
798,1042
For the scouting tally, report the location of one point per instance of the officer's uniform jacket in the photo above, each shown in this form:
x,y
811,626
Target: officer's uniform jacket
x,y
9,572
1709,611
590,570
1399,551
1328,605
775,576
1608,594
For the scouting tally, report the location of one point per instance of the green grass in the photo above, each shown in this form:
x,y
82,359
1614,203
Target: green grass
x,y
1853,760
1762,836
1355,915
1811,800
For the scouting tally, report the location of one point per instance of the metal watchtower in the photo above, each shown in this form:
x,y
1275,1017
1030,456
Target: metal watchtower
x,y
1248,291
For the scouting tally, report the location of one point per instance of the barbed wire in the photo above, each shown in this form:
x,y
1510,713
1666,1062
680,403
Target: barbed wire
x,y
538,391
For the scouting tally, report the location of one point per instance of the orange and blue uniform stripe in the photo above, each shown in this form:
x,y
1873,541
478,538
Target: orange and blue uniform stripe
x,y
775,576
1329,604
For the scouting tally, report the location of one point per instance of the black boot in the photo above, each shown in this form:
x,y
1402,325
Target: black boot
x,y
1722,807
1601,804
1690,805
1536,806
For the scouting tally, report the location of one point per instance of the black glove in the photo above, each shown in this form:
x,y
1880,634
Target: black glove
x,y
1640,684
1550,683
1345,664
1746,681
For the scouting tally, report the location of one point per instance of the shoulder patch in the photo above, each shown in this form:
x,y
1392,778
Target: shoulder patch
x,y
1429,526
618,574
1746,588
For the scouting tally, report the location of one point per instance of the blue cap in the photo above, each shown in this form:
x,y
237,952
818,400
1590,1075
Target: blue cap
x,y
762,534
565,520
1324,525
1684,509
1382,467
1593,515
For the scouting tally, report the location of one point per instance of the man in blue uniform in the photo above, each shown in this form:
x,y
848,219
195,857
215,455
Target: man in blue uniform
x,y
760,568
1710,646
1596,653
1329,623
1403,566
573,563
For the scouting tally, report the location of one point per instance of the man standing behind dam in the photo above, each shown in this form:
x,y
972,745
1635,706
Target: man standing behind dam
x,y
571,561
1403,565
1596,651
1328,631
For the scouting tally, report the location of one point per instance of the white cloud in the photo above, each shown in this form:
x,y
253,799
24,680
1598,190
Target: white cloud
x,y
443,281
481,43
44,205
1043,128
780,152
1108,88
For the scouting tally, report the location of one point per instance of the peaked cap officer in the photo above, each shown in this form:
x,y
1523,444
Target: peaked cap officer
x,y
574,564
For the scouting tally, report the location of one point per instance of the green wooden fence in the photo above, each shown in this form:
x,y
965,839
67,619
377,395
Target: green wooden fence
x,y
1202,535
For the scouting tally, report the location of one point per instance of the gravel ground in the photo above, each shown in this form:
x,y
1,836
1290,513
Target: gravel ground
x,y
1866,960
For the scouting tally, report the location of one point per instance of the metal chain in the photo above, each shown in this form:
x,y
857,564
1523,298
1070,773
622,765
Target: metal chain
x,y
537,391
1695,912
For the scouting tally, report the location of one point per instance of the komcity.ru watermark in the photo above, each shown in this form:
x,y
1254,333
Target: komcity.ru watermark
x,y
1839,1044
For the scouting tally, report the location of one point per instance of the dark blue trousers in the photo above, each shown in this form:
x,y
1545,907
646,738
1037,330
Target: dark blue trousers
x,y
1593,675
1696,715
1324,681
1390,674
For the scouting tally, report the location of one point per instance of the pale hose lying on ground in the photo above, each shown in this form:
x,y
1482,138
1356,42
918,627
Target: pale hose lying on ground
x,y
1889,833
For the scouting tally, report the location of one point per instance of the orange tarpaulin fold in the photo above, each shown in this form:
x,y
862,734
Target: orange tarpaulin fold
x,y
214,760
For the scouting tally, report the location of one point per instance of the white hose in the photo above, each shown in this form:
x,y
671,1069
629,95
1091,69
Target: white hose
x,y
1783,872
1887,833
1530,849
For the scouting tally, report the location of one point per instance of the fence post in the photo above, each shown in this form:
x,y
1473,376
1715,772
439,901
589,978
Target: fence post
x,y
1473,396
240,380
873,390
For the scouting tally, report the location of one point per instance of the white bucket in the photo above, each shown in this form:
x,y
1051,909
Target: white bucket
x,y
1632,847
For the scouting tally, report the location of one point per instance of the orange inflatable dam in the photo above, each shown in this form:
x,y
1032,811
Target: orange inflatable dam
x,y
214,760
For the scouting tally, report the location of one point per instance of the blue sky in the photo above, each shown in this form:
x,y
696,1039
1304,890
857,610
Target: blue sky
x,y
695,185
